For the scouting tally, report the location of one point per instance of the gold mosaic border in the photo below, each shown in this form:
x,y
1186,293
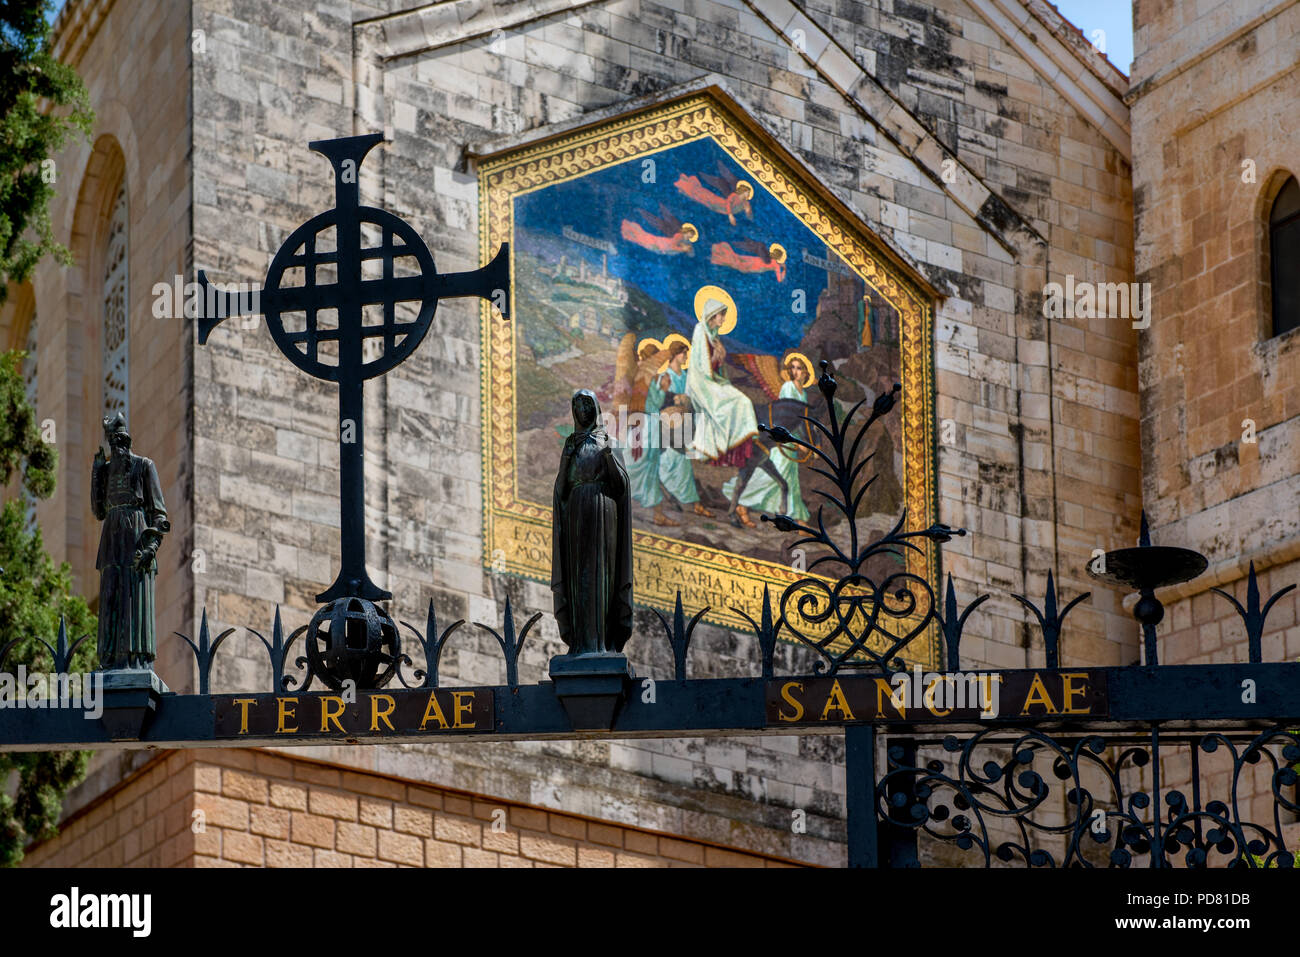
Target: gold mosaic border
x,y
516,533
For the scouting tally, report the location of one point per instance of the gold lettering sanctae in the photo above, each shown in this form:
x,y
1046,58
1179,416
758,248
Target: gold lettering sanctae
x,y
930,699
462,708
792,701
986,683
1069,691
886,692
433,712
1038,695
835,701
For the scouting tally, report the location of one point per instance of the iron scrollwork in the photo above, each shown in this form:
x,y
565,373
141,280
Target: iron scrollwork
x,y
846,620
1024,796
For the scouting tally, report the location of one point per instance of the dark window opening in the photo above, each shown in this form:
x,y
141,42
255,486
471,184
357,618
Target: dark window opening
x,y
1284,256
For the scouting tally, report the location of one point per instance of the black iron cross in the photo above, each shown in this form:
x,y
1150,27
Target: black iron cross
x,y
343,314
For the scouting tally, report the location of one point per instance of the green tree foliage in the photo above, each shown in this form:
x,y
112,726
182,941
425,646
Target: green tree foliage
x,y
34,595
21,448
41,101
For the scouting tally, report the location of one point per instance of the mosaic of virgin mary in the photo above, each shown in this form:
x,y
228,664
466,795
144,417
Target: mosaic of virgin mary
x,y
695,305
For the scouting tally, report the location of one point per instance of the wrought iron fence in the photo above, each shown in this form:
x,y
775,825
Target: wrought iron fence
x,y
1094,798
1039,790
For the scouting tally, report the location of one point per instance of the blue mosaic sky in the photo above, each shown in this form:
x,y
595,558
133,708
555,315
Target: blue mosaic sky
x,y
596,204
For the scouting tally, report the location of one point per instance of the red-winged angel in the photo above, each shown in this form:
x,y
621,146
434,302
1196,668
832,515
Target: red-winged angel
x,y
754,257
725,193
671,236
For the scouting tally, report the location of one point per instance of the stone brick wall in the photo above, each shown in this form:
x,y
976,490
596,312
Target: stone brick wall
x,y
1045,466
1040,192
1213,86
986,151
143,821
228,808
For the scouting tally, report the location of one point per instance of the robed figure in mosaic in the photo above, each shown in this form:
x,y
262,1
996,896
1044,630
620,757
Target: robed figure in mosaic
x,y
776,489
724,424
654,463
127,497
591,538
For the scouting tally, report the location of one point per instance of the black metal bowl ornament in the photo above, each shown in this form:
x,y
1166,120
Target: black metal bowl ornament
x,y
1145,569
353,639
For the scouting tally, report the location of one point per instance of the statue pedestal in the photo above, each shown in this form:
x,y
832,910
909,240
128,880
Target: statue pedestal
x,y
591,687
130,700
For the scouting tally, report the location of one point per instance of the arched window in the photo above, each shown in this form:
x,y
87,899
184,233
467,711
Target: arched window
x,y
116,375
1284,257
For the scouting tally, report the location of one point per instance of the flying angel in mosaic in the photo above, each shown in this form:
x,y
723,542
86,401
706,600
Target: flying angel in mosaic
x,y
725,193
670,236
752,257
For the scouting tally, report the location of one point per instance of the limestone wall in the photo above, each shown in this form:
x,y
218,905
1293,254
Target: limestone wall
x,y
1213,114
974,136
1043,466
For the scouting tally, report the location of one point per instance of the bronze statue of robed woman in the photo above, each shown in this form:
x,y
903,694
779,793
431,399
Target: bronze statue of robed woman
x,y
591,546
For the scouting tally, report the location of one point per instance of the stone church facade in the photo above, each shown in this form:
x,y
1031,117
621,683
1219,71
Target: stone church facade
x,y
985,144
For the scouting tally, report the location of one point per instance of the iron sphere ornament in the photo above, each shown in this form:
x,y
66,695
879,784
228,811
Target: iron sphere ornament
x,y
331,299
352,639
